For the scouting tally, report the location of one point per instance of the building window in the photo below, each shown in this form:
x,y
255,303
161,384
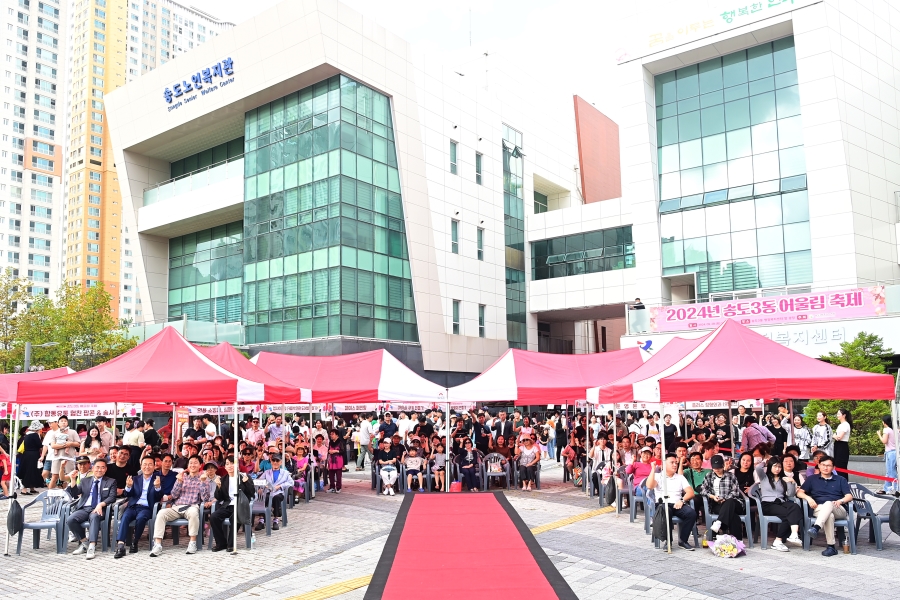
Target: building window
x,y
453,157
478,168
540,203
454,236
480,243
481,320
590,252
456,317
732,174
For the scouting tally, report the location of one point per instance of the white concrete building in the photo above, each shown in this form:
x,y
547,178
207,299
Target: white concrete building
x,y
325,189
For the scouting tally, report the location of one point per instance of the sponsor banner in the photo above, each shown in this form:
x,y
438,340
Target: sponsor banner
x,y
410,407
794,308
73,411
344,408
128,410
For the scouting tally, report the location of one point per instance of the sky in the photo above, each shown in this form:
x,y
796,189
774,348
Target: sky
x,y
567,46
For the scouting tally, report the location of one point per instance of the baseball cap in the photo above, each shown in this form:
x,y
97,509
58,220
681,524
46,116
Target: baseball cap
x,y
647,449
717,461
82,459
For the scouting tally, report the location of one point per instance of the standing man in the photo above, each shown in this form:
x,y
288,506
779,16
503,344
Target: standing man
x,y
65,445
107,439
94,494
483,440
503,427
47,451
365,441
275,430
388,428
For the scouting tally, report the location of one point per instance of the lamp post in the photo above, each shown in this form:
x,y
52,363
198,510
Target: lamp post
x,y
27,365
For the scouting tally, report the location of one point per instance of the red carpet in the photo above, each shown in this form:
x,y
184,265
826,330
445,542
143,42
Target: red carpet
x,y
468,546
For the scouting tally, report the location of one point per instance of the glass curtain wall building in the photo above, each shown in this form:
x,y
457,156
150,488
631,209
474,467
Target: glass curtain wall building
x,y
514,237
325,250
205,274
732,173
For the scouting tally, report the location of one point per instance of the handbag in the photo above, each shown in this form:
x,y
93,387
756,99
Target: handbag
x,y
894,517
15,519
456,486
243,508
660,527
21,447
610,492
576,476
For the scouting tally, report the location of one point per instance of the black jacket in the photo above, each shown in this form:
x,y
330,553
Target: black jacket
x,y
245,486
504,428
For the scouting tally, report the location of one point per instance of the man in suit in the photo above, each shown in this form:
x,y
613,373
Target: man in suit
x,y
141,492
503,427
94,494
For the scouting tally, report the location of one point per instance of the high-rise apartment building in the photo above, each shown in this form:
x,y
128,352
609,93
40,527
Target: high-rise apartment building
x,y
31,151
111,42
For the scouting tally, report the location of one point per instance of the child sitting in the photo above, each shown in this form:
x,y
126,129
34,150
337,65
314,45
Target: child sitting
x,y
414,465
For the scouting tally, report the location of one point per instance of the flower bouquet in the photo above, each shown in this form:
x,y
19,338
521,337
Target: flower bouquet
x,y
727,546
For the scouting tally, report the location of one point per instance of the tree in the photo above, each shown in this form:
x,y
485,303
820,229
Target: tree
x,y
866,352
78,320
13,298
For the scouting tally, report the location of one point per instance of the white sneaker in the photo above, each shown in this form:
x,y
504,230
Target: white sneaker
x,y
157,550
391,491
794,540
81,549
385,492
72,537
192,548
778,545
90,552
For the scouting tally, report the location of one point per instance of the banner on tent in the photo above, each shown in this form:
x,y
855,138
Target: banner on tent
x,y
217,410
410,406
129,410
824,306
73,411
462,406
290,408
723,404
352,408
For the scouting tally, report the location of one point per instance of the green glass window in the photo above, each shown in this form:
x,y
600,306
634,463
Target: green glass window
x,y
729,137
324,234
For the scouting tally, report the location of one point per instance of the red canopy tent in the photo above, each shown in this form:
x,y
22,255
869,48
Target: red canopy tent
x,y
734,362
528,378
277,392
363,378
164,369
10,381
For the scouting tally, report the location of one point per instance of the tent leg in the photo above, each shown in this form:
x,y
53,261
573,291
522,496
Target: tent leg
x,y
237,474
791,424
172,446
733,441
12,479
447,451
662,442
284,427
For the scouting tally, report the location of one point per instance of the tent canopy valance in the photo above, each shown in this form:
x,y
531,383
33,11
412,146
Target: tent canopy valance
x,y
525,378
10,381
363,378
735,362
165,368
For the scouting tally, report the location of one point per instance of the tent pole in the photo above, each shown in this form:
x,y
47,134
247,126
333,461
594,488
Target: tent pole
x,y
172,447
13,454
791,424
895,418
447,448
283,429
237,475
731,426
662,437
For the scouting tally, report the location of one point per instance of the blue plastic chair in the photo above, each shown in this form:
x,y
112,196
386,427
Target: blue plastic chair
x,y
863,510
54,511
746,518
839,524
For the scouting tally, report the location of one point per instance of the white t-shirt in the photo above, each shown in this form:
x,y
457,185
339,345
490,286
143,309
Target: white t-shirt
x,y
365,432
674,487
891,443
49,438
845,429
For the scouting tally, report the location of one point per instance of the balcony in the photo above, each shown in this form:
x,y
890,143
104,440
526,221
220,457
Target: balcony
x,y
198,332
230,169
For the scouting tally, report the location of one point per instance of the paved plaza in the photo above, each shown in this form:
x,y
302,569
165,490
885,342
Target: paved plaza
x,y
333,544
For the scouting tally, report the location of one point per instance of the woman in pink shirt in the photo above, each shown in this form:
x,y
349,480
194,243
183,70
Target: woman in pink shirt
x,y
640,470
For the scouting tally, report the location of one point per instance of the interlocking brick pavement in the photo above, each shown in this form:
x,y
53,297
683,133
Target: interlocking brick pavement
x,y
339,537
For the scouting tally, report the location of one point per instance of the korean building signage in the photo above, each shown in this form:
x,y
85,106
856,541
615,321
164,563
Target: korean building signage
x,y
794,308
674,27
205,81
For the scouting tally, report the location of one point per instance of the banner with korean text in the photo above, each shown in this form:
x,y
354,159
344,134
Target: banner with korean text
x,y
794,308
73,411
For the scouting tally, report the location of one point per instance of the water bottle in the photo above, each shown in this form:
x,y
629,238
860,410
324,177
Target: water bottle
x,y
253,541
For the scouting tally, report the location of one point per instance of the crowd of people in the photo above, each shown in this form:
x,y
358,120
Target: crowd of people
x,y
141,466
